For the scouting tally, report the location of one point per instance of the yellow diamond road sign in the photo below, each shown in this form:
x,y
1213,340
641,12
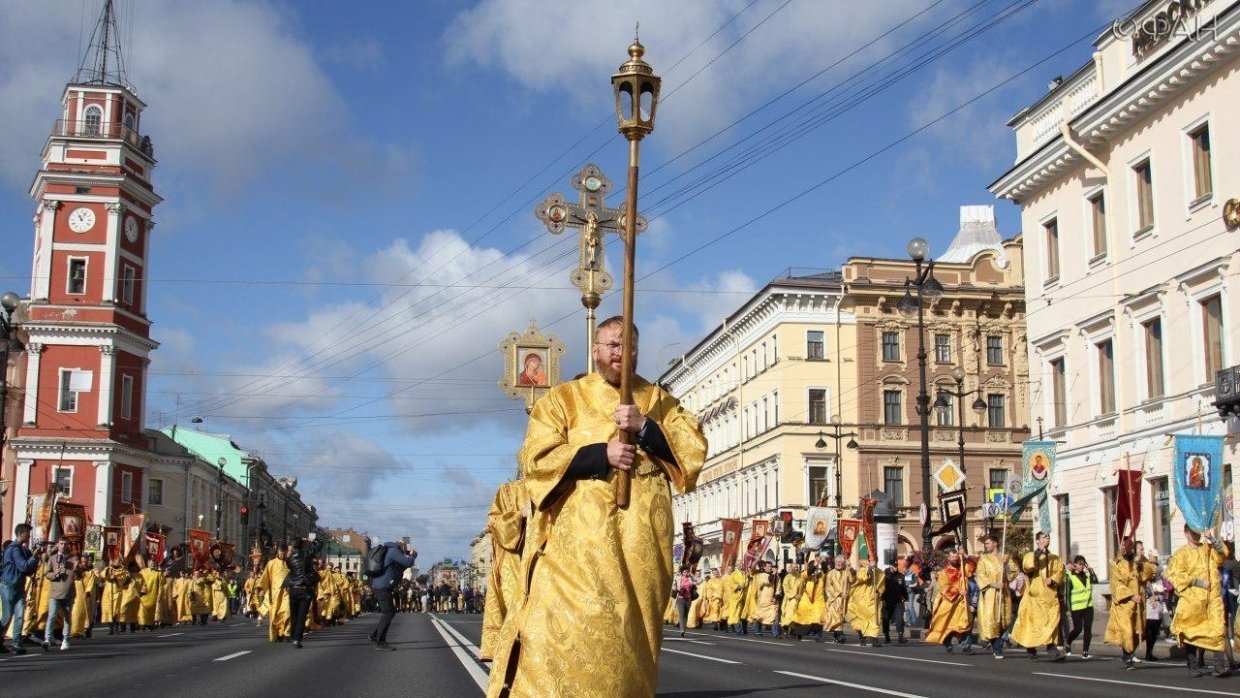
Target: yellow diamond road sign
x,y
949,476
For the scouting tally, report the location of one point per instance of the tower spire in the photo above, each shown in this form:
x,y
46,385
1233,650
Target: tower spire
x,y
103,63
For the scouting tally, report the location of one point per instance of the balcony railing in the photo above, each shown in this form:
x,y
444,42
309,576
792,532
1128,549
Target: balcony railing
x,y
103,131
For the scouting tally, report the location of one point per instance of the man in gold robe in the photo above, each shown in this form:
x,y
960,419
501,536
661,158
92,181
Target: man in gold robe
x,y
766,608
506,523
1198,623
152,588
712,601
85,594
993,608
1128,578
949,617
588,623
116,581
1038,620
864,605
736,586
271,584
838,581
807,616
792,584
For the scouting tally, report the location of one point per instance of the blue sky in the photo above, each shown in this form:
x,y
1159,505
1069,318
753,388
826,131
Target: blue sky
x,y
347,231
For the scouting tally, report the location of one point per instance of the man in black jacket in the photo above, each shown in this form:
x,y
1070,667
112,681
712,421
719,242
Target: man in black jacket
x,y
895,595
396,559
301,581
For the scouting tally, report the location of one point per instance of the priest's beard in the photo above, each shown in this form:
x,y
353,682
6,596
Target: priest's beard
x,y
610,370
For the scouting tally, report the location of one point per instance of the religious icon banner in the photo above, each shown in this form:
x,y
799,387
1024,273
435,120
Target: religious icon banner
x,y
1127,502
154,547
818,525
94,539
200,548
849,530
731,540
1039,461
71,518
133,525
113,543
757,548
1198,486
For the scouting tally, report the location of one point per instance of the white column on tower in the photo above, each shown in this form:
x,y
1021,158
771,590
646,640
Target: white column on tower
x,y
21,493
41,284
31,408
103,491
113,261
145,273
107,371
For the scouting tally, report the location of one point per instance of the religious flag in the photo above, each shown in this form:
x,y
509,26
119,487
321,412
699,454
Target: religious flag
x,y
1128,503
133,525
849,530
200,548
1039,462
731,540
758,528
228,551
93,542
863,546
154,549
113,543
818,525
754,552
867,518
71,519
1198,480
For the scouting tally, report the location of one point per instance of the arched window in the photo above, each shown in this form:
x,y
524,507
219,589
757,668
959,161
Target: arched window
x,y
93,118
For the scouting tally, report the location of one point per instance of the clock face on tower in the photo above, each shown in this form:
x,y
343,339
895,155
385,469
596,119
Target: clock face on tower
x,y
81,220
131,229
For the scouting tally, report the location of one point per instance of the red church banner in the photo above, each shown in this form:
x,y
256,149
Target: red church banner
x,y
200,548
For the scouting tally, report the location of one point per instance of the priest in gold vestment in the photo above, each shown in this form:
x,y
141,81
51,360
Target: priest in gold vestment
x,y
598,576
712,601
1037,620
1128,577
1199,622
271,584
152,589
506,524
792,584
864,605
993,608
835,595
735,589
949,618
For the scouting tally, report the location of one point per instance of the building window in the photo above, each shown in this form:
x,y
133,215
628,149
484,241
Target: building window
x,y
893,484
63,478
128,282
946,418
1145,195
68,396
997,480
93,116
943,348
1098,218
1059,395
775,408
764,413
891,408
1162,516
77,276
1203,184
994,350
126,486
774,348
155,492
1065,525
1152,329
817,406
1110,496
1212,333
1051,230
995,411
1106,377
815,345
764,356
891,346
126,397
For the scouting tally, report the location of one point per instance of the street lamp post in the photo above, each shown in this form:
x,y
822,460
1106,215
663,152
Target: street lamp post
x,y
928,289
219,496
836,435
944,407
8,342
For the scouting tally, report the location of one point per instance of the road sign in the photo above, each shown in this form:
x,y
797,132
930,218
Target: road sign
x,y
949,476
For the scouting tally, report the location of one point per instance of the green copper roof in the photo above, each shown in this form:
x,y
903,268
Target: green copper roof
x,y
211,448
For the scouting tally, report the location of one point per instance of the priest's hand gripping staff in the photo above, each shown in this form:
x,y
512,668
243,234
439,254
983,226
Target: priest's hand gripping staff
x,y
636,89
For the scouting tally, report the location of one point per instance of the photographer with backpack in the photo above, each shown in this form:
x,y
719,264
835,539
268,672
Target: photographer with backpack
x,y
385,564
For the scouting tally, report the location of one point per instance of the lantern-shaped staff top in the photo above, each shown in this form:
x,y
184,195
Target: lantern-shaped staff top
x,y
637,94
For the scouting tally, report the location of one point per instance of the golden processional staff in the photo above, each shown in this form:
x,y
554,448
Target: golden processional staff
x,y
636,89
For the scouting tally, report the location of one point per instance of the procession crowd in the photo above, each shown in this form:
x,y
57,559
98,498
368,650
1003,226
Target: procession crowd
x,y
987,601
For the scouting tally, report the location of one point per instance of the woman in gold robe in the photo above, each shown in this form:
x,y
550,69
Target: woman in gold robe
x,y
1037,620
598,575
1199,623
949,618
864,605
835,598
993,608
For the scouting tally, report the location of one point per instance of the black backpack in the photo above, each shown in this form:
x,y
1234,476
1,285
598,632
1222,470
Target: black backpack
x,y
374,563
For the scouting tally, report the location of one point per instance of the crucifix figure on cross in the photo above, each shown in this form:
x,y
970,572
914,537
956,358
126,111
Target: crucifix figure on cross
x,y
594,219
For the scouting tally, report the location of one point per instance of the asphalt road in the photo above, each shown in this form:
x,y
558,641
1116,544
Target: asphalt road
x,y
436,656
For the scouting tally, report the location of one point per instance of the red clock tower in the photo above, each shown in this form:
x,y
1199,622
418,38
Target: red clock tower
x,y
88,335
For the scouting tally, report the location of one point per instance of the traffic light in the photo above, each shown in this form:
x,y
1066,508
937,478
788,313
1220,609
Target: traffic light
x,y
245,515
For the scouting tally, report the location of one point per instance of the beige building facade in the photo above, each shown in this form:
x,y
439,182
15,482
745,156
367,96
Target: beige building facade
x,y
1122,173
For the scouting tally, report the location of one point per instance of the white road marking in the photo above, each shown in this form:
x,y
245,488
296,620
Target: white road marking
x,y
475,672
170,635
460,638
234,655
701,656
897,657
685,639
1133,683
743,639
860,687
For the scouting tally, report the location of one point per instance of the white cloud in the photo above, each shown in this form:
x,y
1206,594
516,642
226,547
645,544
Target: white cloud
x,y
234,92
572,48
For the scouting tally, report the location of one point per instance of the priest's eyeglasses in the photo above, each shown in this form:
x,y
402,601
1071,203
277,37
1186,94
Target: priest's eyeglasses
x,y
613,347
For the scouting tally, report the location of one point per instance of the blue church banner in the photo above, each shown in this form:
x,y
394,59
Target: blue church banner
x,y
1198,479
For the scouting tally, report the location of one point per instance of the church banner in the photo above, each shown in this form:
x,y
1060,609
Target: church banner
x,y
113,543
200,548
1127,503
133,525
93,543
731,541
155,543
757,548
849,530
71,519
1198,486
818,525
1039,461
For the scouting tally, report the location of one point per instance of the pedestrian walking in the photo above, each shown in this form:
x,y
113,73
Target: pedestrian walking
x,y
1079,588
397,558
18,564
